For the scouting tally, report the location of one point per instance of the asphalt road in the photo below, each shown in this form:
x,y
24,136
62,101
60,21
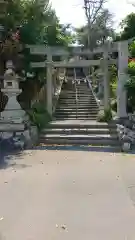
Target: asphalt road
x,y
62,195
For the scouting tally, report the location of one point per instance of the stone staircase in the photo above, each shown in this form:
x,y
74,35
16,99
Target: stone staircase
x,y
79,132
72,126
79,104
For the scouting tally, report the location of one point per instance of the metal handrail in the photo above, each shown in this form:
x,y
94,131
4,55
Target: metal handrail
x,y
91,88
76,94
76,98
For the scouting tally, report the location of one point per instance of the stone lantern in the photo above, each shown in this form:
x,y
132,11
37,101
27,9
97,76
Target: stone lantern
x,y
12,111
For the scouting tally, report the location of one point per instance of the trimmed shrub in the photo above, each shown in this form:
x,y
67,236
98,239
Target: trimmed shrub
x,y
104,116
39,115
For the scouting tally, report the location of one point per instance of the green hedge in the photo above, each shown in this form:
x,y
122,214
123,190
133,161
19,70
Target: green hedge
x,y
39,115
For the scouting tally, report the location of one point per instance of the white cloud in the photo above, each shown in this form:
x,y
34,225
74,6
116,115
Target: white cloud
x,y
71,11
120,8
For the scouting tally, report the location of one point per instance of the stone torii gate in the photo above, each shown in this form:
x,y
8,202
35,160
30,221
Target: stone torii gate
x,y
122,63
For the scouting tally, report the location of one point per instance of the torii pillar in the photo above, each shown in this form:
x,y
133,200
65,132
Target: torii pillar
x,y
49,82
122,78
106,77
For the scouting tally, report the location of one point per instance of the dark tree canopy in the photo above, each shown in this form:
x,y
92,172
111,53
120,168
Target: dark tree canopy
x,y
128,27
37,24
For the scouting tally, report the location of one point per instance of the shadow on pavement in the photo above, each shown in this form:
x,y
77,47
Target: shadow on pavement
x,y
77,148
82,148
8,154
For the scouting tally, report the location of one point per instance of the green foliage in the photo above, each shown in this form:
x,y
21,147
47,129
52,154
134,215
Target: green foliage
x,y
114,105
132,49
104,116
131,69
39,115
130,85
128,26
128,32
58,35
36,24
114,88
113,80
113,73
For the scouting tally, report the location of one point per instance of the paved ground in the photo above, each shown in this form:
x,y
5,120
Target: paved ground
x,y
62,195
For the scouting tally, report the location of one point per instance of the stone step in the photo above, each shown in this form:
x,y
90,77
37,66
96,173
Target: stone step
x,y
81,88
74,94
74,110
85,136
79,92
77,124
82,147
67,101
78,131
73,114
75,118
87,113
84,92
74,105
74,90
79,100
71,90
80,95
62,117
81,111
80,141
84,99
82,115
80,105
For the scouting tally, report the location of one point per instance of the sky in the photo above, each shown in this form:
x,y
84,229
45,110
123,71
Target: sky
x,y
71,11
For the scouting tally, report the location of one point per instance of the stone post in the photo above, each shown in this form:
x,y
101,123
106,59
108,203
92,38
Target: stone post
x,y
122,77
49,82
106,78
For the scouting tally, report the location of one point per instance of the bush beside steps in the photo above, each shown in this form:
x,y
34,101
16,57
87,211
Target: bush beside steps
x,y
38,115
104,116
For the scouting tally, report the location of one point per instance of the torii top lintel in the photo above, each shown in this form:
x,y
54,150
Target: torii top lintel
x,y
61,51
